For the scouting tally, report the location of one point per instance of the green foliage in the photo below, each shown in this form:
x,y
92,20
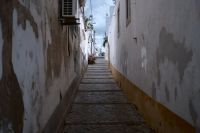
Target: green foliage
x,y
88,23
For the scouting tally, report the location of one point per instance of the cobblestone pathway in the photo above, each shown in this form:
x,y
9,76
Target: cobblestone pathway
x,y
101,107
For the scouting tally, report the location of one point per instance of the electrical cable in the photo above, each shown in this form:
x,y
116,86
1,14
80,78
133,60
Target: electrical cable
x,y
91,8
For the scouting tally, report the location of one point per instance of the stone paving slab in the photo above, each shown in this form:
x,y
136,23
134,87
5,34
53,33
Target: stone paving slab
x,y
100,97
98,87
88,114
107,129
101,107
96,81
98,76
97,66
98,71
100,62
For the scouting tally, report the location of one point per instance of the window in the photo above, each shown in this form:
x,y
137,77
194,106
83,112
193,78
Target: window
x,y
128,11
118,21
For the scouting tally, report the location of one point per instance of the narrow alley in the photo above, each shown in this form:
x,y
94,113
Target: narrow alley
x,y
146,76
101,107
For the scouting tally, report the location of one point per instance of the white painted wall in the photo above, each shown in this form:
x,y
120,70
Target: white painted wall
x,y
30,62
106,52
83,41
135,52
1,47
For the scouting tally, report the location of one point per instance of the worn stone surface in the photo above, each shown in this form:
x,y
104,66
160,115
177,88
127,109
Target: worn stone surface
x,y
98,76
100,97
103,113
98,87
93,81
98,65
98,71
98,68
107,129
100,61
102,108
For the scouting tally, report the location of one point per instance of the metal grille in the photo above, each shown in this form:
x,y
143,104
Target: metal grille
x,y
67,7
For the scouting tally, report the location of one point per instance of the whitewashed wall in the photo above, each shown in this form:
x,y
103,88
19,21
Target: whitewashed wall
x,y
159,52
42,60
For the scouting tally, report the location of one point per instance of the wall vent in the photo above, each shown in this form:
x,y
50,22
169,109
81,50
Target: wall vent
x,y
68,8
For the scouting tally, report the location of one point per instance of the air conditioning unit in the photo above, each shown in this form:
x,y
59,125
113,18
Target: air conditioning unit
x,y
68,11
69,8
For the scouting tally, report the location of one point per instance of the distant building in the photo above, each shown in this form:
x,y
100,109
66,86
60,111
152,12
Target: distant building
x,y
109,18
108,22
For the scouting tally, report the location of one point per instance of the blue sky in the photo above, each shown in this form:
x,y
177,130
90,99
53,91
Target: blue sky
x,y
99,9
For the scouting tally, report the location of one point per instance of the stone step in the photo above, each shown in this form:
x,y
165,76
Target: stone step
x,y
98,64
89,113
98,74
98,71
100,97
98,87
97,81
107,128
101,107
94,67
98,77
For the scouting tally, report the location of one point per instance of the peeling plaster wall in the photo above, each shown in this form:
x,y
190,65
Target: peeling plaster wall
x,y
159,52
106,52
39,59
1,47
83,45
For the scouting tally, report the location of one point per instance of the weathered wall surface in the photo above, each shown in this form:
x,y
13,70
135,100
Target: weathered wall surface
x,y
83,45
159,52
107,52
39,59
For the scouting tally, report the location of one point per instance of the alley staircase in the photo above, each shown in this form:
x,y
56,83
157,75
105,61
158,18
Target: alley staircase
x,y
101,107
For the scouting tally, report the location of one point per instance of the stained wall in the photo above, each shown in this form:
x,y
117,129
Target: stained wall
x,y
158,51
39,59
